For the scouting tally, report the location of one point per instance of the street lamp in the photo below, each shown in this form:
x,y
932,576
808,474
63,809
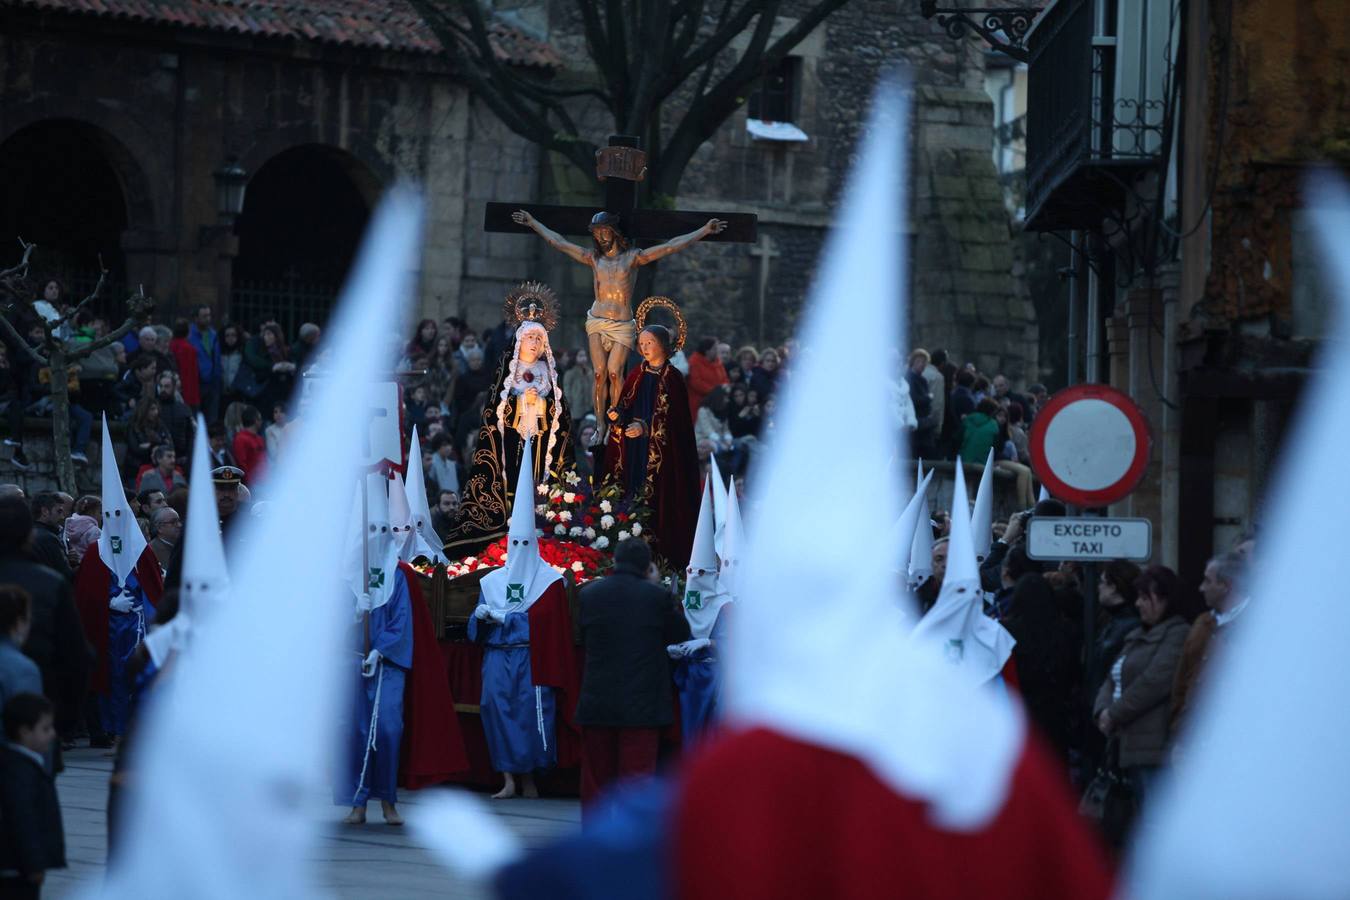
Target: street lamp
x,y
231,180
1003,28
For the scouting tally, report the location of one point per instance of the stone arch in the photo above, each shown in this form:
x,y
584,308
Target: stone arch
x,y
77,191
305,210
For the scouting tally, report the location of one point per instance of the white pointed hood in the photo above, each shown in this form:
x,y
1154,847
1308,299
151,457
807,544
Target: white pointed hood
x,y
853,681
400,518
733,548
205,580
424,541
1044,494
920,567
974,643
702,598
720,500
1261,779
982,517
121,543
382,547
914,517
247,728
518,584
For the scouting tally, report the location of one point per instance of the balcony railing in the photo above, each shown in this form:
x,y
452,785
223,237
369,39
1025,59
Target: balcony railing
x,y
1085,144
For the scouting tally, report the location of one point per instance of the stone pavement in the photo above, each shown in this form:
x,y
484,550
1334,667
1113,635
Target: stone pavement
x,y
370,861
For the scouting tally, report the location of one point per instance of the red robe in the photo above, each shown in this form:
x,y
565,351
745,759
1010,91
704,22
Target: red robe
x,y
92,580
185,356
433,747
554,663
761,817
672,478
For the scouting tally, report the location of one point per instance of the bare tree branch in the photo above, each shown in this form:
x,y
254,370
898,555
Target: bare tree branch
x,y
21,342
21,270
98,287
138,307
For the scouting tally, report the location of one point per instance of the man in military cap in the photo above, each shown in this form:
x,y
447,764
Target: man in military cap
x,y
230,501
610,327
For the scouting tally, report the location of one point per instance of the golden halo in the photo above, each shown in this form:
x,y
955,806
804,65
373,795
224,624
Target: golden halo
x,y
649,304
532,301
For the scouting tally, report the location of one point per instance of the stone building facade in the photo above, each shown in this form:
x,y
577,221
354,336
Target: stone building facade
x,y
324,111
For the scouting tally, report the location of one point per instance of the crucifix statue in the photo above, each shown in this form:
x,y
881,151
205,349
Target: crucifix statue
x,y
618,232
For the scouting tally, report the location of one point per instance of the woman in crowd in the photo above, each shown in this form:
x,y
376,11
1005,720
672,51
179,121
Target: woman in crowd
x,y
1118,617
743,413
266,355
231,358
423,341
146,433
1133,700
747,358
764,377
706,372
1005,457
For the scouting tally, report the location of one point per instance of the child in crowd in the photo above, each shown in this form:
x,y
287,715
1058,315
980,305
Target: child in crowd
x,y
32,839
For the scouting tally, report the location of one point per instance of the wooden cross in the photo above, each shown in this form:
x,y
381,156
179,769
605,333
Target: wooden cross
x,y
621,165
767,252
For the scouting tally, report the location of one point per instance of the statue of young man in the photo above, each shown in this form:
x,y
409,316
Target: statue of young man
x,y
610,328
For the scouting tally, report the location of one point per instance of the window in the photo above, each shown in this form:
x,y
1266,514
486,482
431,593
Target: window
x,y
776,98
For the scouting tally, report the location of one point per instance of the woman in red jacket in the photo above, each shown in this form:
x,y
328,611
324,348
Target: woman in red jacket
x,y
705,373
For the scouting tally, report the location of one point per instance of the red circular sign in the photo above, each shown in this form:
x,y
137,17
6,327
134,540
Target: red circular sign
x,y
1090,445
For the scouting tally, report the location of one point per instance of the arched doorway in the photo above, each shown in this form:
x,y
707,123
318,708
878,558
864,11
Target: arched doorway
x,y
304,213
62,191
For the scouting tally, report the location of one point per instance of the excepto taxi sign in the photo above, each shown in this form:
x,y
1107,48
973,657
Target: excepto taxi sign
x,y
1089,538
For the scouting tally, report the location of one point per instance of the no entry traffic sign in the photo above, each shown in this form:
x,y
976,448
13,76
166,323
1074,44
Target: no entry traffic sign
x,y
1088,538
1090,445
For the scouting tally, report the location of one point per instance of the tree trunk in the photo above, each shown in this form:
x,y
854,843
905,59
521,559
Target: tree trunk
x,y
65,467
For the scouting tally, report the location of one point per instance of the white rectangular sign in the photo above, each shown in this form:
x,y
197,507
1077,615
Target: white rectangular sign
x,y
1088,538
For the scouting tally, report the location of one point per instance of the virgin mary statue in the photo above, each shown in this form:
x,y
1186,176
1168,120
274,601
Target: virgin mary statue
x,y
526,402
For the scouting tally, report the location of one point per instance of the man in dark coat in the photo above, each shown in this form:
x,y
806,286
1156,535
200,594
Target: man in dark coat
x,y
55,640
50,511
625,625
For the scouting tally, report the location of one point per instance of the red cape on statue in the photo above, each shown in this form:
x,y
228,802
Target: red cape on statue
x,y
433,746
554,663
761,817
92,580
671,487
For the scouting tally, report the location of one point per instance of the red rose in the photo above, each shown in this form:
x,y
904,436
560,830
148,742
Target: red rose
x,y
588,521
623,517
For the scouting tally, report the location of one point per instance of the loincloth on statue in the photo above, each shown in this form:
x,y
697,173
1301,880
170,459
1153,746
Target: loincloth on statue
x,y
613,331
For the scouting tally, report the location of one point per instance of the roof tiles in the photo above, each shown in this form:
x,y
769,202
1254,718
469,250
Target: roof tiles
x,y
379,24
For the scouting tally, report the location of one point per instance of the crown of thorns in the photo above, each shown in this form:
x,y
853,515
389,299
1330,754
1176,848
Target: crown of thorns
x,y
532,301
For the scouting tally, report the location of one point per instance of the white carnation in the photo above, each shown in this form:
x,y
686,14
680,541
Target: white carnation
x,y
590,534
560,530
550,515
541,509
637,529
606,522
623,535
542,490
577,566
575,531
565,515
569,497
601,542
606,506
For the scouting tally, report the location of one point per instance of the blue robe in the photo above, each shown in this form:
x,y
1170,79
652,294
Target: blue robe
x,y
698,679
391,633
518,715
125,633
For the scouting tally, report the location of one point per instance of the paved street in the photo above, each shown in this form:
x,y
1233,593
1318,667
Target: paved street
x,y
372,861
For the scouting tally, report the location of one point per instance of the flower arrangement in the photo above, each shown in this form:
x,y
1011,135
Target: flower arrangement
x,y
583,562
598,521
579,530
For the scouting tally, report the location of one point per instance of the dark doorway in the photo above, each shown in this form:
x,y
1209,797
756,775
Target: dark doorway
x,y
304,214
60,192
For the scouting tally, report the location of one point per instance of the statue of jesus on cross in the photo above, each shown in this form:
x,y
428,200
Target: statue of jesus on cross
x,y
611,330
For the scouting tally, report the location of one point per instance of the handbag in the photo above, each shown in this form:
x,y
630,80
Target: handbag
x,y
246,382
1109,800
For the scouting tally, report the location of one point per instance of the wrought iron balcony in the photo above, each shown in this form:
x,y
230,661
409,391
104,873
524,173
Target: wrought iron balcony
x,y
1086,146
